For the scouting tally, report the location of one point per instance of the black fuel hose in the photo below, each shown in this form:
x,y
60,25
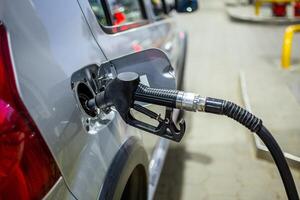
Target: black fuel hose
x,y
218,106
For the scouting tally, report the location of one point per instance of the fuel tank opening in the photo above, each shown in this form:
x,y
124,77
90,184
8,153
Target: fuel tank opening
x,y
83,94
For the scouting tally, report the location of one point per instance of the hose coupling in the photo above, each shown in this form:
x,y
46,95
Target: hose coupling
x,y
190,101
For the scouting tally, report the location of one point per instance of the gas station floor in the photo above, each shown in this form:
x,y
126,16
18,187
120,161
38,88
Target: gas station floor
x,y
217,158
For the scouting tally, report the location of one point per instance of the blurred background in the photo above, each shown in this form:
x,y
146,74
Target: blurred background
x,y
239,61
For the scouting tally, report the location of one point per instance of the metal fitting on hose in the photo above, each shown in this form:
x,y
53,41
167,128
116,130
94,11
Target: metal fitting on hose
x,y
190,101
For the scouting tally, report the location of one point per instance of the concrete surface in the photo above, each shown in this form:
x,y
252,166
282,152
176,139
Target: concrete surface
x,y
217,158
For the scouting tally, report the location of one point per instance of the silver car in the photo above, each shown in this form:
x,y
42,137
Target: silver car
x,y
49,146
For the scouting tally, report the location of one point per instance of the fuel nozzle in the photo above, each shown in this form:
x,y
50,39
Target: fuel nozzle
x,y
123,92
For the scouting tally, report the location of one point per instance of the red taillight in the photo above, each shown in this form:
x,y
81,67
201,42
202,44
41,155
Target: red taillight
x,y
27,168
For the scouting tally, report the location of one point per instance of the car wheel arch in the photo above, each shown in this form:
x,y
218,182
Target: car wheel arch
x,y
129,164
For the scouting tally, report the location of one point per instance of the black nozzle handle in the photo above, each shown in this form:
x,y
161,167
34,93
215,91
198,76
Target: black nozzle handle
x,y
163,97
